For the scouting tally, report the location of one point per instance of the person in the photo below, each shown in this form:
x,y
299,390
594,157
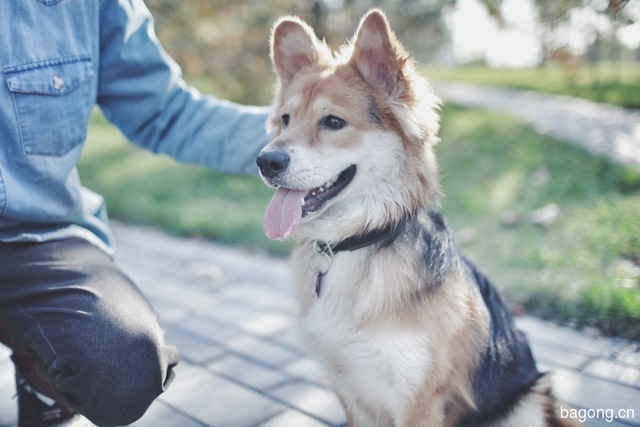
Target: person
x,y
83,338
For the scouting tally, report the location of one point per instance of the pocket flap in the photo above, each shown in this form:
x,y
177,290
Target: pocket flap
x,y
55,77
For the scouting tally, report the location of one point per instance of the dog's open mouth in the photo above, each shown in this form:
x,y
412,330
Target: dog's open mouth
x,y
316,197
288,207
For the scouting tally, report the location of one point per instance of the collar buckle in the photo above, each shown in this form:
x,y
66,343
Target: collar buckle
x,y
324,251
322,259
322,247
320,263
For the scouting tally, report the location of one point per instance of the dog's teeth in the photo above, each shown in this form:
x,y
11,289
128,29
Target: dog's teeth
x,y
324,188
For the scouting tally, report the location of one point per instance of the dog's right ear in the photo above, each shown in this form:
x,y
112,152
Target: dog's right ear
x,y
294,46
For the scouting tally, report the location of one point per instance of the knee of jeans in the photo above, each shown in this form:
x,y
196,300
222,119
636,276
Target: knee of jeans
x,y
116,382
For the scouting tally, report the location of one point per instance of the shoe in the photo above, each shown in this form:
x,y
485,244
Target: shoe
x,y
38,410
76,421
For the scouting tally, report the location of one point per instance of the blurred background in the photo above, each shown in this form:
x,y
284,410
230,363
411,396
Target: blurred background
x,y
580,265
227,40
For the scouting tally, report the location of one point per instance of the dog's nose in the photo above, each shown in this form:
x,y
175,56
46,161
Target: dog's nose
x,y
273,162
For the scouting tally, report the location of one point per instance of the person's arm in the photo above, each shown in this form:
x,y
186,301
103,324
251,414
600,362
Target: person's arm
x,y
142,92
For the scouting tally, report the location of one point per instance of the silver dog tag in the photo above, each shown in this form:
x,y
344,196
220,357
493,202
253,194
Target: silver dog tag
x,y
318,283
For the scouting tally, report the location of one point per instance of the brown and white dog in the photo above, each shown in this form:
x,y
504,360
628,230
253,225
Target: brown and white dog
x,y
408,331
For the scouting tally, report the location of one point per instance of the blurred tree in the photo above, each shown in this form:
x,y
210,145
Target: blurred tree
x,y
227,41
553,13
600,20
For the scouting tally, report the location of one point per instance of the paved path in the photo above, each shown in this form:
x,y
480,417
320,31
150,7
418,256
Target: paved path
x,y
230,313
599,128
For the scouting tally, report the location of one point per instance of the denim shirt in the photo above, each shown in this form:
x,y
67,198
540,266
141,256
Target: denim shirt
x,y
60,58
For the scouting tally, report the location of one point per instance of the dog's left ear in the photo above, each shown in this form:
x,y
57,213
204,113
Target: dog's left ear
x,y
377,54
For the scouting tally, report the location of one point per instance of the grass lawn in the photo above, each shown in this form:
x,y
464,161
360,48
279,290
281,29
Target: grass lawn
x,y
612,83
580,269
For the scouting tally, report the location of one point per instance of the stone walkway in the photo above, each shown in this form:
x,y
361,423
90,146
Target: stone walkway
x,y
231,314
601,129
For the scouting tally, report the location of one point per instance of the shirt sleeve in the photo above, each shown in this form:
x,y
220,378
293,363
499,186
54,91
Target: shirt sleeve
x,y
142,92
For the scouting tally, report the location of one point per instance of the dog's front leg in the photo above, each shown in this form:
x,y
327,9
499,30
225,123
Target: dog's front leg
x,y
359,416
426,413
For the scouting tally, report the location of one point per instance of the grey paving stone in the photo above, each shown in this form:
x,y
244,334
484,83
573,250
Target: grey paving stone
x,y
181,293
206,272
192,348
609,370
187,373
215,401
159,414
292,418
248,372
268,353
267,324
556,357
562,338
237,314
258,295
305,369
313,400
628,354
600,418
143,238
601,423
140,274
583,391
290,338
167,311
209,328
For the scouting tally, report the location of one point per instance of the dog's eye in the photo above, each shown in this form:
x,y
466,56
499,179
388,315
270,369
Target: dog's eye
x,y
333,122
285,120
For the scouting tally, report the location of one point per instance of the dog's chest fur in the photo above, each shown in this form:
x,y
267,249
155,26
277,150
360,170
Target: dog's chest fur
x,y
375,328
382,364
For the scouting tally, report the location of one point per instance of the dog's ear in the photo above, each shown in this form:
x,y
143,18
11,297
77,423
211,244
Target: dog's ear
x,y
377,54
294,46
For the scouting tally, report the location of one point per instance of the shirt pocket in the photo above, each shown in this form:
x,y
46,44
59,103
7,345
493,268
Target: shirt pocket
x,y
52,103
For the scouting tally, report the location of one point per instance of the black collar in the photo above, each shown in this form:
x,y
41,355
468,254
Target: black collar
x,y
359,241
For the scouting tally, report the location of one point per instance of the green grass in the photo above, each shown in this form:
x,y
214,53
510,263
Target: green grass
x,y
574,271
569,272
611,83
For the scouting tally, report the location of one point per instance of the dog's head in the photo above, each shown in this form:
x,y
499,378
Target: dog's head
x,y
355,131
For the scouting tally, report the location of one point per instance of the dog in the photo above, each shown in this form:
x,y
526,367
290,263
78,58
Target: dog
x,y
408,332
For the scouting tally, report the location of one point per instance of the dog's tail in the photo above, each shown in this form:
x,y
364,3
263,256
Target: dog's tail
x,y
556,414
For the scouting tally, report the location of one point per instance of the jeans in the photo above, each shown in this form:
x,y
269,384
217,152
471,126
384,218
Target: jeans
x,y
80,331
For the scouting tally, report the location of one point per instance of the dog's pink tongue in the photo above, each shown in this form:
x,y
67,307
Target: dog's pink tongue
x,y
283,213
